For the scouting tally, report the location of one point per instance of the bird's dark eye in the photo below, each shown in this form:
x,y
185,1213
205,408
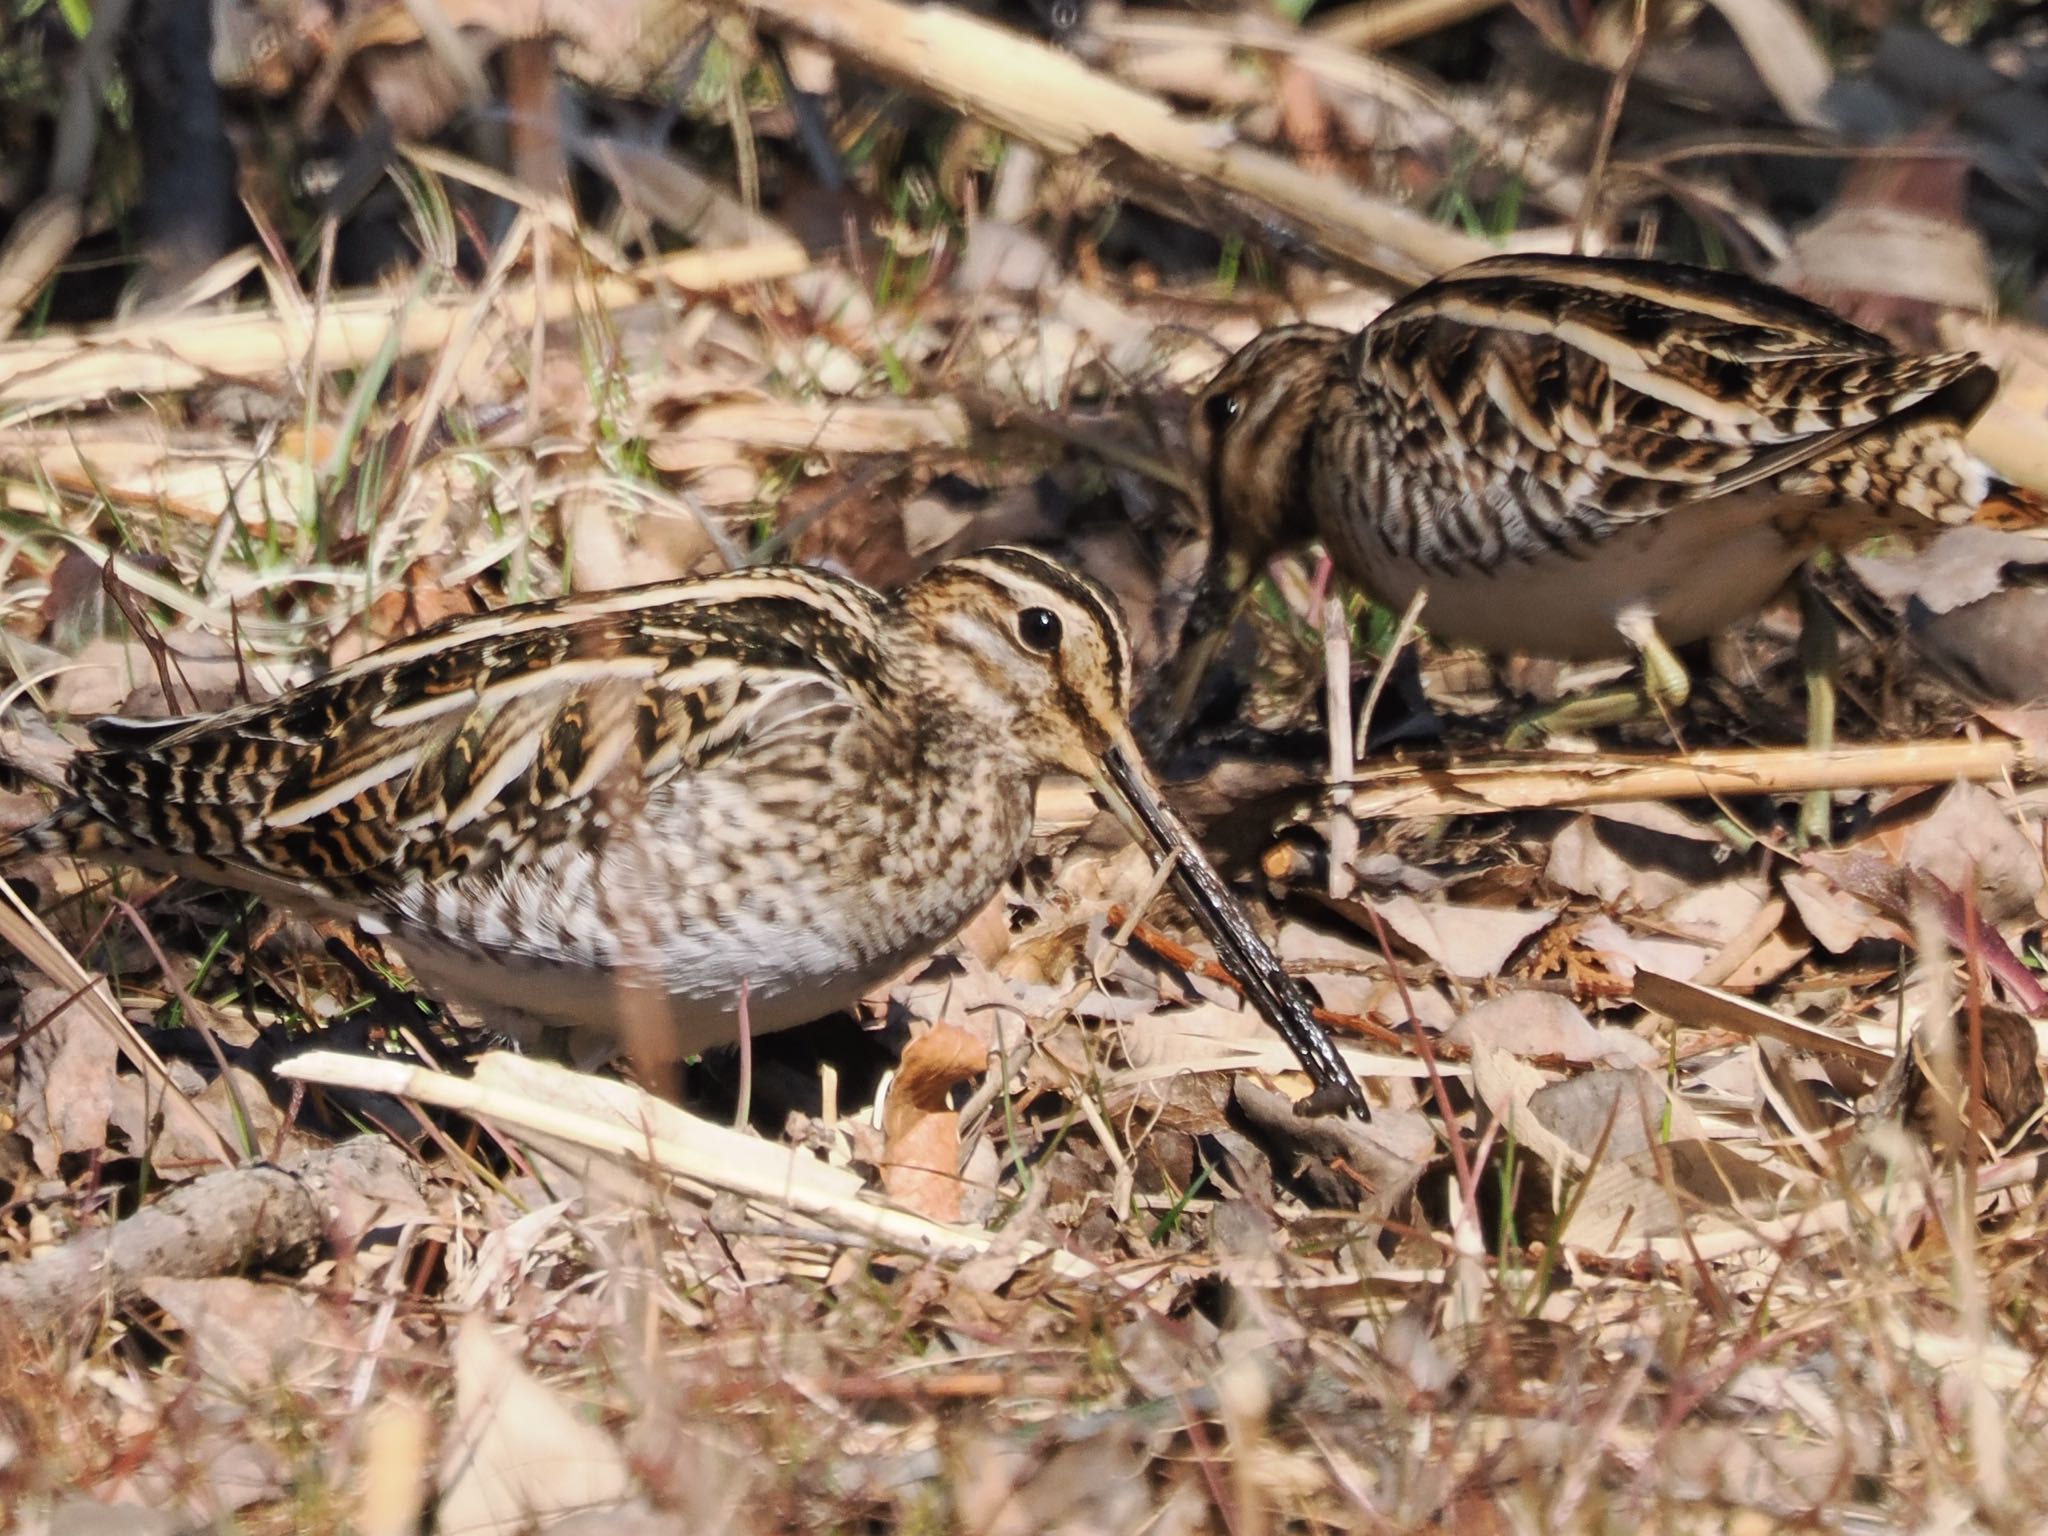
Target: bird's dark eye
x,y
1220,411
1039,629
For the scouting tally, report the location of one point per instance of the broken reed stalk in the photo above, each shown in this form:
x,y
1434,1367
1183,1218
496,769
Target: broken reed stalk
x,y
1048,98
1388,23
168,354
1518,784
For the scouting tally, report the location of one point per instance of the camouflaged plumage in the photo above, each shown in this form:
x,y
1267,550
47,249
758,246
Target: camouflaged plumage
x,y
1547,443
762,793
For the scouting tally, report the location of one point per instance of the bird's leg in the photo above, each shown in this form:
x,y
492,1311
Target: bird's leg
x,y
1666,683
1225,582
1665,687
1817,655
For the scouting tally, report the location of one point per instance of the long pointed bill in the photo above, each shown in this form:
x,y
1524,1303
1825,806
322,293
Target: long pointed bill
x,y
1129,791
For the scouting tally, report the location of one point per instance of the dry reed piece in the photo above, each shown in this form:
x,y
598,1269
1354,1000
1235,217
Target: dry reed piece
x,y
560,1108
708,435
134,462
1703,1007
1389,23
1052,100
1196,57
1518,784
65,369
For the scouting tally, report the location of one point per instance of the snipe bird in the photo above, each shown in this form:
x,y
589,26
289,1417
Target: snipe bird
x,y
649,802
1575,457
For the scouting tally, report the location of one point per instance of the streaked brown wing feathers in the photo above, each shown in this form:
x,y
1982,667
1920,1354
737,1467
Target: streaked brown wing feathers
x,y
471,748
1634,387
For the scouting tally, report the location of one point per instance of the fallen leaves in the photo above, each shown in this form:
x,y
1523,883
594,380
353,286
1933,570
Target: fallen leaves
x,y
519,1454
921,1131
65,1079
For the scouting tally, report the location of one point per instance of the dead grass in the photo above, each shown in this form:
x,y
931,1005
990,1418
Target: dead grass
x,y
1701,1193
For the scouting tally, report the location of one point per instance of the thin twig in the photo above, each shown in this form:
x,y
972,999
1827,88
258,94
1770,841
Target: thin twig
x,y
1610,122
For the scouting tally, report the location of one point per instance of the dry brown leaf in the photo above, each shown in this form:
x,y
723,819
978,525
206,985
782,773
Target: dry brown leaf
x,y
1955,568
66,1085
1532,1023
211,1467
986,936
1350,977
1627,861
1970,838
249,1337
1623,952
1507,1085
517,1452
1698,1007
1698,1187
1715,911
1769,961
1464,940
1632,1110
921,1155
236,1104
1004,1488
1837,920
1896,248
488,1275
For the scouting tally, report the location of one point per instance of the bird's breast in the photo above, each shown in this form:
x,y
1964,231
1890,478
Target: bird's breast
x,y
802,896
1697,569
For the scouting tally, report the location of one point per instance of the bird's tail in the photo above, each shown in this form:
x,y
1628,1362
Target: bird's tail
x,y
71,830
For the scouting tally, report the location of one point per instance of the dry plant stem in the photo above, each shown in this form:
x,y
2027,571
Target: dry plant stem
x,y
1403,633
1425,1048
1053,100
713,1158
1610,122
1387,23
220,1224
1818,650
1342,833
36,245
1745,943
1526,783
164,355
45,234
954,1386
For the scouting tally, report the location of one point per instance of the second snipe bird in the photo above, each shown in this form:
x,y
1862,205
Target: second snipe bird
x,y
651,803
1575,456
